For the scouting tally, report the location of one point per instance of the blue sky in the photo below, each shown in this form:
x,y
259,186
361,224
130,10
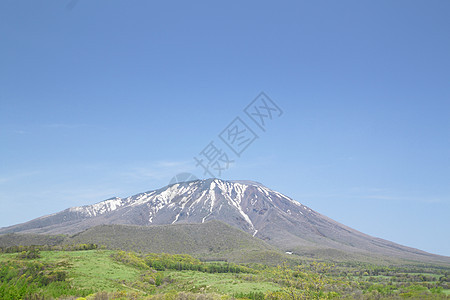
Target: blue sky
x,y
113,98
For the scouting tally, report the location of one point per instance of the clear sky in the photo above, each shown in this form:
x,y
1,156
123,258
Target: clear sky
x,y
113,98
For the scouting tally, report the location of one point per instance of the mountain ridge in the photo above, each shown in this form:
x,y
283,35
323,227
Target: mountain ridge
x,y
247,205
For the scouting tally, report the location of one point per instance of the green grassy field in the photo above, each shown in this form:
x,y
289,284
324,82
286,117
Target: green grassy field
x,y
97,271
93,269
222,283
107,274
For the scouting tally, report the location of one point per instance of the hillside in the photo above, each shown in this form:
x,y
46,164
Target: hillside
x,y
211,240
29,239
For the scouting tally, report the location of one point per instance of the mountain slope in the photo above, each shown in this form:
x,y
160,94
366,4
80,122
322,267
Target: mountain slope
x,y
30,239
249,206
211,240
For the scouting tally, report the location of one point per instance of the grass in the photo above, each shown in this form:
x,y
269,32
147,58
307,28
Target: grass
x,y
223,283
436,276
96,270
88,270
93,269
7,256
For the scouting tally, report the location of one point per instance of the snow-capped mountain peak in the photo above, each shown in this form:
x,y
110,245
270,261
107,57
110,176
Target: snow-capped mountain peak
x,y
247,205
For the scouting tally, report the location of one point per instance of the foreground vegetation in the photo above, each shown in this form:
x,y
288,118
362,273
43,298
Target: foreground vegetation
x,y
85,272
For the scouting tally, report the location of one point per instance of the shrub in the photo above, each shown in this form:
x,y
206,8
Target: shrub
x,y
30,254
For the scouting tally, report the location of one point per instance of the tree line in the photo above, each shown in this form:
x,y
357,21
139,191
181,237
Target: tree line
x,y
179,262
72,247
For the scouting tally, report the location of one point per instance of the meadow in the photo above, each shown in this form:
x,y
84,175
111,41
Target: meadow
x,y
28,273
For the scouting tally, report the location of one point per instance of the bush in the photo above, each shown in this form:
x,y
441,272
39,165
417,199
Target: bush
x,y
30,254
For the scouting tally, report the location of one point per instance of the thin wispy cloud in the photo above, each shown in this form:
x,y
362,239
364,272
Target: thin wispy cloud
x,y
64,125
13,131
403,198
71,4
373,194
18,131
158,170
18,176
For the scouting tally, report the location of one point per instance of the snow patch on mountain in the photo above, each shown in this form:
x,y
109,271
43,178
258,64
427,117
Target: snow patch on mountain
x,y
99,208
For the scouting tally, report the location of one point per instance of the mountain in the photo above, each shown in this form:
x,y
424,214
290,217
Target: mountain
x,y
246,205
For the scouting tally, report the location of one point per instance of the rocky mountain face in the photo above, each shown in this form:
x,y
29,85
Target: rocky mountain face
x,y
249,206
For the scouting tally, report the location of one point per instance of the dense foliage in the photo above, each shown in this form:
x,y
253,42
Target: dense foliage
x,y
19,280
73,247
